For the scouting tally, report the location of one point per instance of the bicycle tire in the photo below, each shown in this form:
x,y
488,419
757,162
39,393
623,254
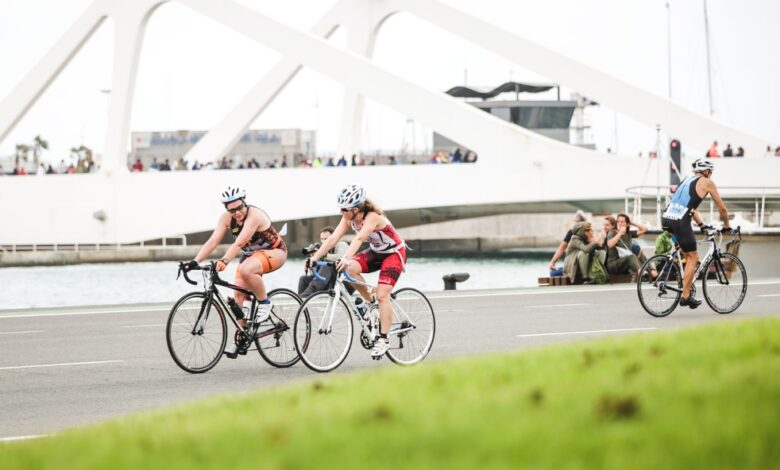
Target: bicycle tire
x,y
419,341
654,298
714,289
321,351
278,349
199,346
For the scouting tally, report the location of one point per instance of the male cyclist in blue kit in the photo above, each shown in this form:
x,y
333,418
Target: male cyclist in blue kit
x,y
682,208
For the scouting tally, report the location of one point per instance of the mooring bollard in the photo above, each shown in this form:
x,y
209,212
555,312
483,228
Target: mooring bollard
x,y
451,279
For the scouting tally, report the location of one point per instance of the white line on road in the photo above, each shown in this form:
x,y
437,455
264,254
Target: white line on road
x,y
20,332
64,364
584,332
554,306
95,312
768,295
21,438
144,326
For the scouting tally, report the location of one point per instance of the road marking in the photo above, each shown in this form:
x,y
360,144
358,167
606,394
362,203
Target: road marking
x,y
64,364
20,332
768,295
584,332
95,312
555,291
554,306
21,438
144,326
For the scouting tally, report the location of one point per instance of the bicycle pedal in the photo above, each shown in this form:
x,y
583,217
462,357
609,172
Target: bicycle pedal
x,y
231,355
242,352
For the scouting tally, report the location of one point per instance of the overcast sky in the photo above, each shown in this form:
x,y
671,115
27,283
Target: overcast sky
x,y
193,70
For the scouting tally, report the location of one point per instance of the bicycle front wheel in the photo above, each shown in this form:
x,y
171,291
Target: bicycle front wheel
x,y
413,329
196,333
659,296
323,332
724,283
274,338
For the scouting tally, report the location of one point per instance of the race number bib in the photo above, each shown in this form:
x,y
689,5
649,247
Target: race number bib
x,y
675,211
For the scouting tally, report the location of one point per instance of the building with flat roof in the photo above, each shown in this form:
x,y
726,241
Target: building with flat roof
x,y
264,146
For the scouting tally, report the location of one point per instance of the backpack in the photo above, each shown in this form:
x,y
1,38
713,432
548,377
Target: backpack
x,y
597,272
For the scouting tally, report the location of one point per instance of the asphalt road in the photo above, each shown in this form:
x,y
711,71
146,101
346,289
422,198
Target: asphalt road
x,y
69,367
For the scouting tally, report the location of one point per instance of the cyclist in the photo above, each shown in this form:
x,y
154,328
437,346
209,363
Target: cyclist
x,y
677,218
386,253
262,251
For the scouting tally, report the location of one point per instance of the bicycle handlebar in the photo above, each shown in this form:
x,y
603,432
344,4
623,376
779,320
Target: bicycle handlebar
x,y
333,265
183,271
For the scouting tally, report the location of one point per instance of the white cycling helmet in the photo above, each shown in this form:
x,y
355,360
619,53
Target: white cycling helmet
x,y
351,196
232,194
702,164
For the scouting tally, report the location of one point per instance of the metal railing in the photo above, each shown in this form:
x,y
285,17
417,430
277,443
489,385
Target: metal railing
x,y
759,200
76,247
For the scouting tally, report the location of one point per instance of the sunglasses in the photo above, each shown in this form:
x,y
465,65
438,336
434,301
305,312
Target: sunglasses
x,y
344,211
236,209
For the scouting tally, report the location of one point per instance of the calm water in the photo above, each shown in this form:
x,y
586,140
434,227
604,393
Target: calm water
x,y
121,283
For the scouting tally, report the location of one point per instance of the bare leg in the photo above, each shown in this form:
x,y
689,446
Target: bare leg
x,y
385,307
354,269
691,258
252,272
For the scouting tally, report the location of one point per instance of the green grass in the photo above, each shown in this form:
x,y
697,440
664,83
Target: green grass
x,y
707,397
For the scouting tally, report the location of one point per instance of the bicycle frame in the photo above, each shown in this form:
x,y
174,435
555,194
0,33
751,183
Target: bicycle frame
x,y
714,251
210,283
340,290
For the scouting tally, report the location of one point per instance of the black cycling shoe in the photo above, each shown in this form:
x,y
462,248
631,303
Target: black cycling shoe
x,y
691,302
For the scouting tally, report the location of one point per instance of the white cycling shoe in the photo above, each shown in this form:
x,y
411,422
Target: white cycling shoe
x,y
263,312
380,348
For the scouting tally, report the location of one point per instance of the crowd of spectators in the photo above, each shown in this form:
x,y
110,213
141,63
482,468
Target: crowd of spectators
x,y
301,161
590,255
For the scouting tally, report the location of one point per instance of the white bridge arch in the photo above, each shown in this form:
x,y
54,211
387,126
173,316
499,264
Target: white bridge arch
x,y
516,165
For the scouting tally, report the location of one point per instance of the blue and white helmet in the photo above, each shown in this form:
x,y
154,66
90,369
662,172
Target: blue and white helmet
x,y
351,196
232,194
702,164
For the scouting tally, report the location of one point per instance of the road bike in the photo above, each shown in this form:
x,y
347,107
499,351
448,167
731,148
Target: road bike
x,y
197,331
324,330
723,277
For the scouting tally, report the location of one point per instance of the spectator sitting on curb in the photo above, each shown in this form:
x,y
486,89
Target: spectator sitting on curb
x,y
579,216
620,257
579,251
308,284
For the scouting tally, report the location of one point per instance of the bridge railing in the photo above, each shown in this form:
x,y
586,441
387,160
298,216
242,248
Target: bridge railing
x,y
179,241
761,201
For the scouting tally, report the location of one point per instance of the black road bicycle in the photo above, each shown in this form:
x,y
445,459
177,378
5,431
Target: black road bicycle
x,y
723,278
197,328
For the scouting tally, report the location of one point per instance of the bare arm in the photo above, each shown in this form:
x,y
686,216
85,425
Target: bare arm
x,y
697,218
341,230
558,253
612,242
724,213
213,242
254,220
369,225
641,229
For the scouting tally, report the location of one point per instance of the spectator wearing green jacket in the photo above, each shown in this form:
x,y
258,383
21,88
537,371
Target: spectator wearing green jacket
x,y
663,243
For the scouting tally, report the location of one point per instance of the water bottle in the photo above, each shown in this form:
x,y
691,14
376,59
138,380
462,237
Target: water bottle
x,y
362,309
247,309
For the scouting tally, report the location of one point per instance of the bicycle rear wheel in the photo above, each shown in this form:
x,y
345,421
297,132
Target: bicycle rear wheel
x,y
724,283
196,333
659,296
413,329
323,332
274,338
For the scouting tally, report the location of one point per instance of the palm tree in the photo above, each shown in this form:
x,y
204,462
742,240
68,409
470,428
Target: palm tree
x,y
38,145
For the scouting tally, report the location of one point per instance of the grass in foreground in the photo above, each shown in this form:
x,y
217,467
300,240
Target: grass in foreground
x,y
699,398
